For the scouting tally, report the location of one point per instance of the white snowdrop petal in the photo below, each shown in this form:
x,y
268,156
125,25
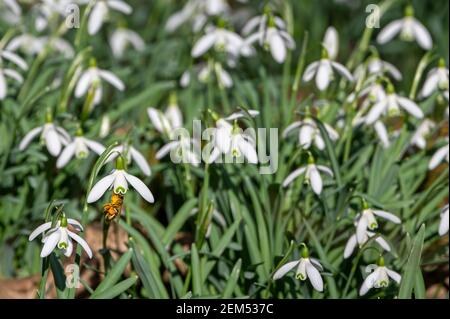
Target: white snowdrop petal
x,y
443,225
315,180
325,170
410,107
95,146
389,31
283,270
383,243
112,79
361,230
140,161
75,223
66,155
83,84
422,35
29,137
331,42
203,44
82,242
39,230
438,157
277,46
15,59
382,133
248,150
368,283
97,17
314,277
121,6
387,216
140,187
342,70
3,87
100,188
291,177
53,142
292,127
50,243
376,111
323,76
155,117
310,71
163,151
394,275
430,85
350,246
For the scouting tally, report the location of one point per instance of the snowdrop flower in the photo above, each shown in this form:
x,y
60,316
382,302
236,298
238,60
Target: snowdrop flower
x,y
80,148
309,133
331,42
13,6
322,71
378,126
47,9
410,29
312,175
443,226
60,237
419,137
131,154
11,12
367,221
32,45
92,78
437,79
223,41
307,268
196,11
168,121
391,105
204,71
6,55
260,23
118,181
52,135
353,242
230,139
273,38
377,68
439,156
101,10
181,151
121,37
379,277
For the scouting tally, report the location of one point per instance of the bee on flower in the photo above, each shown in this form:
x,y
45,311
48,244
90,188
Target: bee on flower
x,y
113,208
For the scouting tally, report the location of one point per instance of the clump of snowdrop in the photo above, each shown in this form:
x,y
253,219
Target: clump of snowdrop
x,y
312,175
323,71
409,28
391,106
53,136
131,154
309,133
32,45
307,268
6,55
222,40
92,79
102,9
121,38
437,80
166,122
59,236
79,147
271,35
438,157
443,225
367,221
379,277
231,140
118,181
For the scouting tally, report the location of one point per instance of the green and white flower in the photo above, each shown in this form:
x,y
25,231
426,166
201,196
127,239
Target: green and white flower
x,y
443,225
367,220
101,10
437,80
379,277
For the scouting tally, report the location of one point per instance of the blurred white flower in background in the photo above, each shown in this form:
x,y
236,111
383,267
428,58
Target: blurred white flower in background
x,y
367,220
92,78
379,277
271,35
419,137
182,149
101,10
121,38
443,225
118,181
309,133
221,40
391,106
60,237
312,175
409,28
168,121
331,42
131,154
32,45
52,135
323,73
79,147
204,71
307,268
47,9
352,243
437,80
439,156
10,11
5,73
377,68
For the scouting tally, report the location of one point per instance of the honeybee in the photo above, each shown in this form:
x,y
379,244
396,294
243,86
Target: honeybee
x,y
114,208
